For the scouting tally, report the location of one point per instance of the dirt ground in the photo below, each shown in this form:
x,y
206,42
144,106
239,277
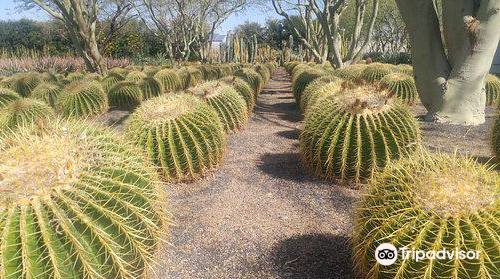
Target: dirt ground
x,y
260,215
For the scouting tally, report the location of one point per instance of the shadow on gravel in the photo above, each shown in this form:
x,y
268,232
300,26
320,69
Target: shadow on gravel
x,y
283,165
289,134
315,256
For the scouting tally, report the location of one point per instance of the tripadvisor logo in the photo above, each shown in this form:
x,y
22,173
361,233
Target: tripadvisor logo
x,y
387,254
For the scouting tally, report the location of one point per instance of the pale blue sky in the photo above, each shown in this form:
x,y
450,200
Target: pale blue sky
x,y
8,11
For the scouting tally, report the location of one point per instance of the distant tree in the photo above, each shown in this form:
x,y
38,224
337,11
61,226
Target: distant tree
x,y
277,31
80,17
248,29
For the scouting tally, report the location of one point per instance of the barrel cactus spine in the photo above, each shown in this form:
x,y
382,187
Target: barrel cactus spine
x,y
125,95
135,76
24,84
252,78
430,202
47,92
24,112
303,79
244,89
492,90
7,96
352,134
150,87
85,205
402,85
180,134
351,72
169,80
375,72
318,89
81,99
226,101
111,80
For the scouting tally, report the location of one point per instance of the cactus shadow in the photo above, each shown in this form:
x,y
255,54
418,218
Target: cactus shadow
x,y
317,256
284,166
289,134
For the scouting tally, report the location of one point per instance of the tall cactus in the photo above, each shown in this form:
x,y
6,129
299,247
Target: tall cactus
x,y
77,203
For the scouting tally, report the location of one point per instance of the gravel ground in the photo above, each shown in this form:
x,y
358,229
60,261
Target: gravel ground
x,y
260,215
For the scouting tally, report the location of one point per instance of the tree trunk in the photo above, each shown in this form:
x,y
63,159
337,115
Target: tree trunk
x,y
451,83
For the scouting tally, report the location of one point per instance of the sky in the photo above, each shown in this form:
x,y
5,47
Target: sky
x,y
8,11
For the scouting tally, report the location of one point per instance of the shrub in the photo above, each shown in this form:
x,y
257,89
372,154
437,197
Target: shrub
x,y
77,203
82,99
430,202
180,134
350,135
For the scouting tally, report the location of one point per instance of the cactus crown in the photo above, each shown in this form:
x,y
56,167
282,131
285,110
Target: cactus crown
x,y
449,187
164,108
209,89
362,99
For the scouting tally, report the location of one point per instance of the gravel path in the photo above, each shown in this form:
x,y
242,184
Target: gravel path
x,y
260,215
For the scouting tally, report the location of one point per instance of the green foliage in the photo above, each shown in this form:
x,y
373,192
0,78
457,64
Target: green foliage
x,y
82,99
78,203
244,89
430,202
252,78
150,87
303,79
47,92
169,80
23,112
7,96
375,72
226,101
492,90
180,134
402,85
318,89
125,95
351,134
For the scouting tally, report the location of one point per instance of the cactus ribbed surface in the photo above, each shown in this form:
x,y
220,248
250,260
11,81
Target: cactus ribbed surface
x,y
180,134
375,72
190,77
125,94
351,72
404,69
351,134
244,89
24,84
135,76
319,88
47,92
402,85
263,72
7,96
24,112
150,88
111,80
169,80
251,77
492,90
303,79
77,203
430,202
226,101
82,99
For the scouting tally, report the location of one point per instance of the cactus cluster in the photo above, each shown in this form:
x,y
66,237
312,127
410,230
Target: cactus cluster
x,y
402,85
244,89
180,134
125,95
24,84
318,89
303,79
352,134
135,76
226,101
351,72
150,87
251,77
111,80
77,203
492,90
82,99
430,202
